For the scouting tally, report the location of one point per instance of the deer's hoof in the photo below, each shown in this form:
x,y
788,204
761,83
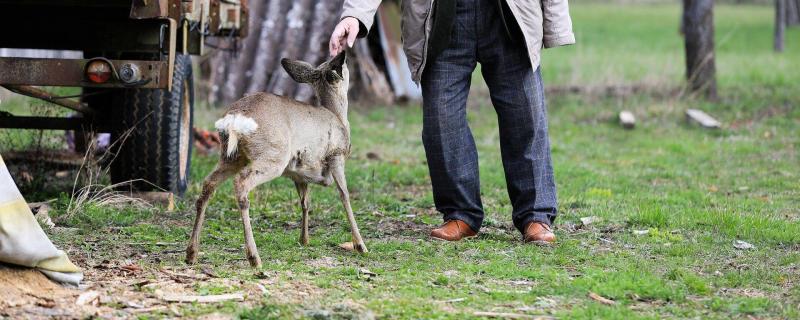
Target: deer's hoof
x,y
191,256
255,261
361,248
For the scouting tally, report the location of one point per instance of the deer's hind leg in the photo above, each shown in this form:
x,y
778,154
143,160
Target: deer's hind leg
x,y
302,191
223,171
249,178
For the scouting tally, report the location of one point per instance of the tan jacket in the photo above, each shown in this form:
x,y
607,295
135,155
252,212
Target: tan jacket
x,y
544,23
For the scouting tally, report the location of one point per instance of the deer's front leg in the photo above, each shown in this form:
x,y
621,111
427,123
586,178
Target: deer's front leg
x,y
302,191
341,184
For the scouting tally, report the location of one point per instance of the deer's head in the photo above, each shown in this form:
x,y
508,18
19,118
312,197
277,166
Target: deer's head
x,y
330,80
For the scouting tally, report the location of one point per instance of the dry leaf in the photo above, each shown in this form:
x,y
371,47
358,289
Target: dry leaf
x,y
131,267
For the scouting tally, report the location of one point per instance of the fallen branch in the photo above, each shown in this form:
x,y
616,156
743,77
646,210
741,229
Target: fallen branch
x,y
174,275
203,299
148,309
507,315
601,299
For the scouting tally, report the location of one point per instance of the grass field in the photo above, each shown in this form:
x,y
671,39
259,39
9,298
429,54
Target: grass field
x,y
671,199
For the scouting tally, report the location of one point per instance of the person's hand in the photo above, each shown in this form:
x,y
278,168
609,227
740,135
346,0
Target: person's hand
x,y
345,32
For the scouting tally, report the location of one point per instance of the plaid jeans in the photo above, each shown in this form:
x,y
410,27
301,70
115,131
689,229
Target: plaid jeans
x,y
516,91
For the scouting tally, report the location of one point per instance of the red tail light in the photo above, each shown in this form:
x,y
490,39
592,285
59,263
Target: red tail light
x,y
98,71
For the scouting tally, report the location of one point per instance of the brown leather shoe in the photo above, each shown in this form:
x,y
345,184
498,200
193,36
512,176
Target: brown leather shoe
x,y
539,233
453,230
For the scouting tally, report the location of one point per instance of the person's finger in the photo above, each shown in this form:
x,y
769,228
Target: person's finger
x,y
351,36
335,42
332,47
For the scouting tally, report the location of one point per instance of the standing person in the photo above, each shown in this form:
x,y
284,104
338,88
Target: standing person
x,y
443,41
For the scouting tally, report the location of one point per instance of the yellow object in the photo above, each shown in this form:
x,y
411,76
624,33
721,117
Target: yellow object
x,y
22,240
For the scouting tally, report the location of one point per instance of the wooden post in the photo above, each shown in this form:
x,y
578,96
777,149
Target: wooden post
x,y
780,24
698,18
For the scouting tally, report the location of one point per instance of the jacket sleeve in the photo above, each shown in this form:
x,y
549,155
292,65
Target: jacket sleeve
x,y
557,25
363,10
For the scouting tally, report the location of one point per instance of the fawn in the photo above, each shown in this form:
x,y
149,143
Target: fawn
x,y
265,136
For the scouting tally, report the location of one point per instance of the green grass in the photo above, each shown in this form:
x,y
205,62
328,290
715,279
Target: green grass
x,y
696,191
631,44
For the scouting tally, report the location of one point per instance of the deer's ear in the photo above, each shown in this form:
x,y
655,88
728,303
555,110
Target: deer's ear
x,y
337,62
300,71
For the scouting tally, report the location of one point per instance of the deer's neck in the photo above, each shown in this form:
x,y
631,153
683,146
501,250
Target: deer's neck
x,y
336,103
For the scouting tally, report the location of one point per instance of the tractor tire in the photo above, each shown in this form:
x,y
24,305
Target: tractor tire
x,y
154,139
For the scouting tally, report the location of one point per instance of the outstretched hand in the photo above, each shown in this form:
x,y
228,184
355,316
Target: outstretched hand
x,y
344,33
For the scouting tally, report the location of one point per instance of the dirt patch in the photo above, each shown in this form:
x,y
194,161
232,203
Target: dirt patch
x,y
23,286
27,294
295,291
323,262
401,229
123,289
743,292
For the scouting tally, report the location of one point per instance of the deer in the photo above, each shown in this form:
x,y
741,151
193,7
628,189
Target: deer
x,y
266,136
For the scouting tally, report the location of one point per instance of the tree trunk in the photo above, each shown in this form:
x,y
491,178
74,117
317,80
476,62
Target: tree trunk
x,y
698,18
373,82
295,29
792,9
270,33
326,15
780,24
293,44
241,70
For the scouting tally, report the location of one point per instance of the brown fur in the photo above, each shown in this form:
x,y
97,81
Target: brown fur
x,y
305,143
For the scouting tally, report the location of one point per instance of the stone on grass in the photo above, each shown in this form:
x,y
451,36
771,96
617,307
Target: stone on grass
x,y
627,120
741,245
590,220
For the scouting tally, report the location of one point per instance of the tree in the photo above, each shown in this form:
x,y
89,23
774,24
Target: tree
x,y
297,29
698,29
780,24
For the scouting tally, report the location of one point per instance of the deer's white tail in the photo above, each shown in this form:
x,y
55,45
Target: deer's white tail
x,y
235,125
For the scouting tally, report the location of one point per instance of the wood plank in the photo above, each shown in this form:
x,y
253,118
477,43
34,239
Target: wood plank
x,y
702,118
